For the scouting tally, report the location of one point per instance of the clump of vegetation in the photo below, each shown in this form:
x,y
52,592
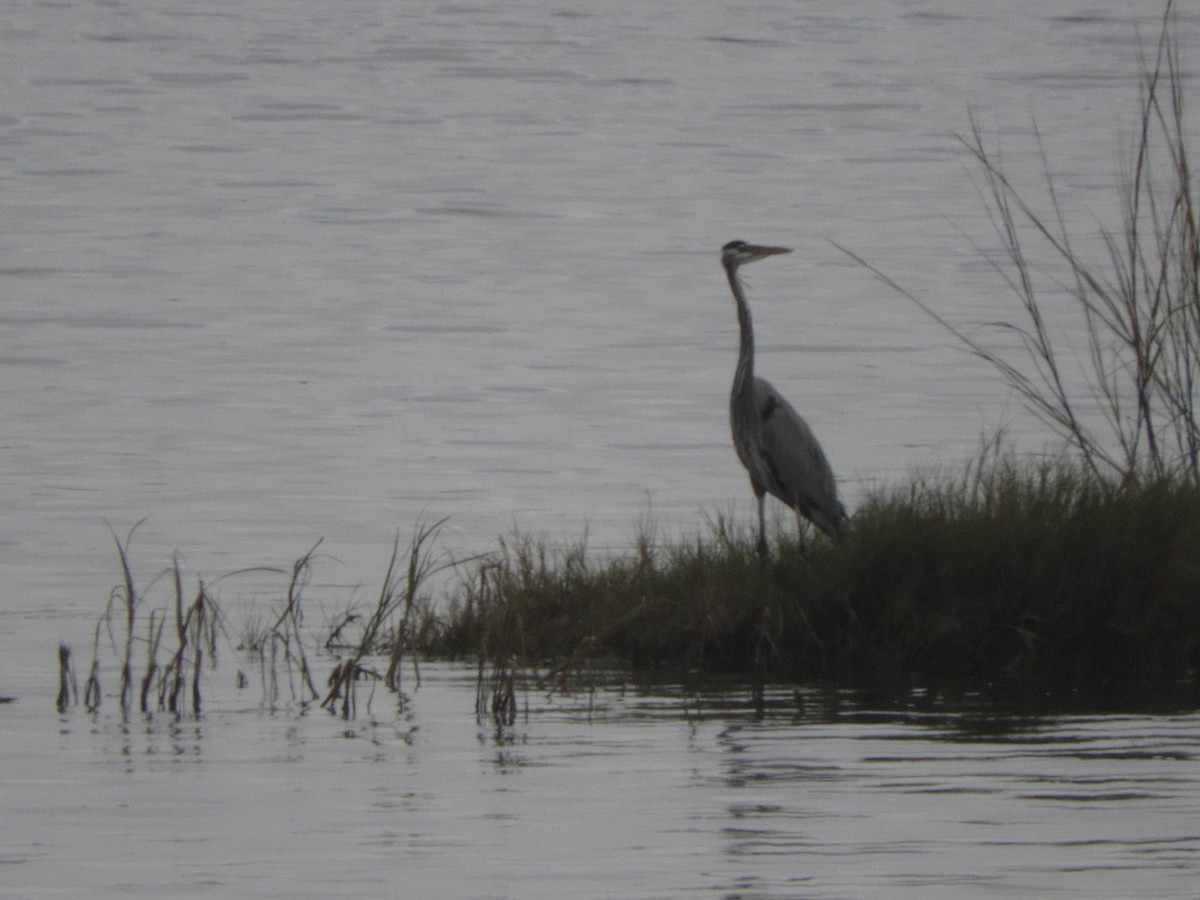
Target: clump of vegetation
x,y
398,626
280,648
173,686
1008,571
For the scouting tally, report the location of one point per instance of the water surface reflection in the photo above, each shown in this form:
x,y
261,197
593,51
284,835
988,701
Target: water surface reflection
x,y
614,789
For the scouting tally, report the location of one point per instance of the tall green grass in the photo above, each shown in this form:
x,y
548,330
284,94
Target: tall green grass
x,y
1005,571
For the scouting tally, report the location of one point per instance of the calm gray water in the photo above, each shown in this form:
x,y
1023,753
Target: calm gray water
x,y
647,794
272,272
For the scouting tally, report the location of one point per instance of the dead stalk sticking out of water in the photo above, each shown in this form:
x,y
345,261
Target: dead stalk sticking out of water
x,y
68,688
1137,416
284,643
195,630
394,597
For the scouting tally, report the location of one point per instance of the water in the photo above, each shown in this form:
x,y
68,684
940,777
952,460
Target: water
x,y
276,272
649,793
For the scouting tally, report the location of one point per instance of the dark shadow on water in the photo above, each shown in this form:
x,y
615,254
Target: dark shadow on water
x,y
957,711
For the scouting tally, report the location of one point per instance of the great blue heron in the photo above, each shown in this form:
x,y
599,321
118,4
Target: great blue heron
x,y
773,442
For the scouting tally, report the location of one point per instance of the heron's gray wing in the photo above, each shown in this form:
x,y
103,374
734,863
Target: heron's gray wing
x,y
800,473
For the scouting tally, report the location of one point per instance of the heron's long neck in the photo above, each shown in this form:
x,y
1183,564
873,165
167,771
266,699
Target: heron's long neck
x,y
743,375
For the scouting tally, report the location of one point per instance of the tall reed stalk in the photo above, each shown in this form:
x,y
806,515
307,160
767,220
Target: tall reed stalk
x,y
1138,311
397,609
196,628
283,643
127,597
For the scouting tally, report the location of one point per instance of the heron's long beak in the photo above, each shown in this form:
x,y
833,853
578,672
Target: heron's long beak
x,y
757,252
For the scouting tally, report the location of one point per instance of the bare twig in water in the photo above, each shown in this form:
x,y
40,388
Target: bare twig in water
x,y
284,644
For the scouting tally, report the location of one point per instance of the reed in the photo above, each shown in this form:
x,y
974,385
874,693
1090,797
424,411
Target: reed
x,y
161,686
281,645
392,626
68,687
1115,370
127,598
123,601
275,638
496,690
196,630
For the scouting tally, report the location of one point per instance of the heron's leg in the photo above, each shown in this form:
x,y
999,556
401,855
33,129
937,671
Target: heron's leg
x,y
800,528
760,495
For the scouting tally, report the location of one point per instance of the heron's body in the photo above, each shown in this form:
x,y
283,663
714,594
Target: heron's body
x,y
774,443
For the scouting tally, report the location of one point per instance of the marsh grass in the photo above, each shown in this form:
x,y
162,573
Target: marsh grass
x,y
182,637
197,626
1033,572
280,649
162,687
393,627
1006,572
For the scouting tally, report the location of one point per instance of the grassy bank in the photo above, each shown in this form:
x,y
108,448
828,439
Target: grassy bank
x,y
1005,572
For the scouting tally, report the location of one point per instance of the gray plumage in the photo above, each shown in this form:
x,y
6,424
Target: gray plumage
x,y
774,443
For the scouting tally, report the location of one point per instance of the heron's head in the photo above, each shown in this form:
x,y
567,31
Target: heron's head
x,y
737,253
